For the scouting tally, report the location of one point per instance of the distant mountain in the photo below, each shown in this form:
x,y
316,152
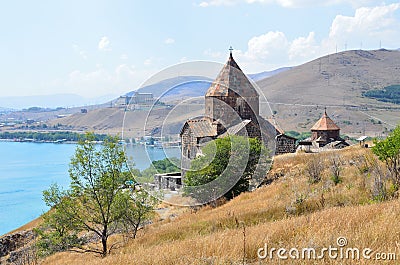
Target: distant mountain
x,y
6,110
258,76
191,86
336,81
188,85
50,101
297,97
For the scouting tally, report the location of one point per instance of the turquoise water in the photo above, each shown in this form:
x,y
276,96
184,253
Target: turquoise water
x,y
26,169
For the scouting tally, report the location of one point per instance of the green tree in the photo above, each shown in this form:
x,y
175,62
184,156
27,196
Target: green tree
x,y
57,233
229,163
97,200
166,165
147,175
137,216
388,150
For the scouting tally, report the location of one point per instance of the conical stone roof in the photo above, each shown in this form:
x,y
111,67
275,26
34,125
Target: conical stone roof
x,y
325,124
231,79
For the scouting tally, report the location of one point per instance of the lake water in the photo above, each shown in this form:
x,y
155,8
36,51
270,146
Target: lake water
x,y
26,169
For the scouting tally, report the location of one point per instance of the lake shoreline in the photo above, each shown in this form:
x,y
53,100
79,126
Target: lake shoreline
x,y
29,168
62,141
37,142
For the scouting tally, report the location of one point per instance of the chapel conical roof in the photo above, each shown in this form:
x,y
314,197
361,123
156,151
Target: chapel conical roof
x,y
231,79
325,124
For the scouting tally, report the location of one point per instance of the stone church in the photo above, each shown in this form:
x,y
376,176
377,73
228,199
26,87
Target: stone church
x,y
231,108
324,134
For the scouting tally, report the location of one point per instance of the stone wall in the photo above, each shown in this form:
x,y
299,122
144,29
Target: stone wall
x,y
13,241
172,181
15,246
334,134
188,148
285,144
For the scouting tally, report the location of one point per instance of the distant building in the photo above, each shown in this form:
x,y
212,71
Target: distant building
x,y
324,133
172,181
30,121
285,144
141,98
361,140
135,99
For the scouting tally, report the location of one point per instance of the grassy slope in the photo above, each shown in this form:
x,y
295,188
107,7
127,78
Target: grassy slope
x,y
133,123
336,81
215,236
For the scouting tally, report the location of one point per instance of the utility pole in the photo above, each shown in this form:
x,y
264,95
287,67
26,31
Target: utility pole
x,y
320,65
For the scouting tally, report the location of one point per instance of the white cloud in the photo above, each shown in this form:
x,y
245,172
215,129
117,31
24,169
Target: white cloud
x,y
125,74
271,50
82,53
154,61
303,47
267,46
104,44
124,68
263,52
148,61
169,41
266,51
367,24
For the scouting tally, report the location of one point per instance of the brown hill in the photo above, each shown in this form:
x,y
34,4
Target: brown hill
x,y
336,81
135,123
289,213
297,98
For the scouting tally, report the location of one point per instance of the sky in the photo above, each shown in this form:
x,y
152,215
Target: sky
x,y
95,48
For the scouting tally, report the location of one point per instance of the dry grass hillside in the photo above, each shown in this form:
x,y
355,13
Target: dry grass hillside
x,y
297,97
336,81
289,213
135,123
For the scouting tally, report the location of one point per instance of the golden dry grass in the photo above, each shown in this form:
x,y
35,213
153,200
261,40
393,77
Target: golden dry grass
x,y
272,215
